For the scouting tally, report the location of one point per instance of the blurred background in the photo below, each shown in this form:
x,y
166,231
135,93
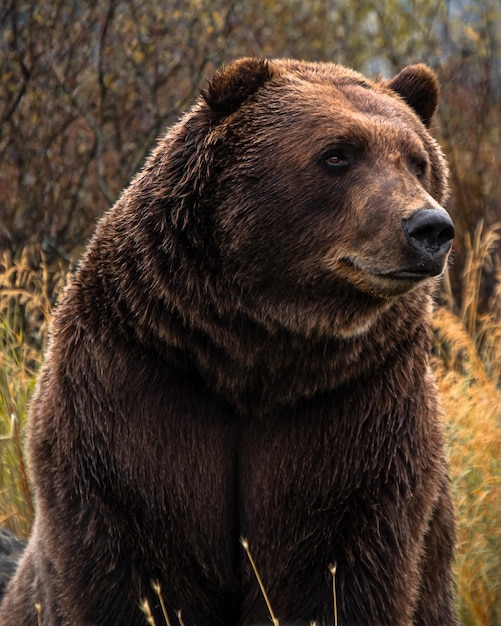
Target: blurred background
x,y
86,88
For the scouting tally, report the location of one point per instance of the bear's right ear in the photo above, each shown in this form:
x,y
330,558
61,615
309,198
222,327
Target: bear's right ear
x,y
230,86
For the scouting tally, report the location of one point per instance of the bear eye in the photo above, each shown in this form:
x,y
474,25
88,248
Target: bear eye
x,y
420,168
336,160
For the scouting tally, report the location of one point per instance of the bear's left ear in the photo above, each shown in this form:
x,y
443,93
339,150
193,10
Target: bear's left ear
x,y
418,86
232,85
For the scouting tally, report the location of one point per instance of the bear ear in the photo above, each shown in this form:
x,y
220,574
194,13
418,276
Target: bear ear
x,y
418,86
232,85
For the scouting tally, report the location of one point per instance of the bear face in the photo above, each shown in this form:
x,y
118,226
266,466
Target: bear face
x,y
326,183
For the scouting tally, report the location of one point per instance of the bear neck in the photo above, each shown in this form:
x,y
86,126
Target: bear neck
x,y
258,370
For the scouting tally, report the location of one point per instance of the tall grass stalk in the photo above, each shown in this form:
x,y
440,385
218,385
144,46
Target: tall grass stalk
x,y
333,570
245,545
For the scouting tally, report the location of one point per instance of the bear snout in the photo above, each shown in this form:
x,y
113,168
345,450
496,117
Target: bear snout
x,y
429,233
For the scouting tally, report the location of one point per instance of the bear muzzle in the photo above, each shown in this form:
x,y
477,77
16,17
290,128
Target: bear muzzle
x,y
429,234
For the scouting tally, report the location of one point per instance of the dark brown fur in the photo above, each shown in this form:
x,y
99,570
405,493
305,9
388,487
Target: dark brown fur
x,y
234,358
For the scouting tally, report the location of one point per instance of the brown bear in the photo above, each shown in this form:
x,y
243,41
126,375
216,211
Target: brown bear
x,y
244,352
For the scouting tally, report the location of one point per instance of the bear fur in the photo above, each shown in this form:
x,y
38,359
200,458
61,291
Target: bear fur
x,y
244,352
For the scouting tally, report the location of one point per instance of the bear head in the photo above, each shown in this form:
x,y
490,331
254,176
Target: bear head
x,y
308,195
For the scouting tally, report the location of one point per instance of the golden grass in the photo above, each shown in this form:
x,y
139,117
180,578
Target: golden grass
x,y
467,362
146,609
468,367
245,546
25,308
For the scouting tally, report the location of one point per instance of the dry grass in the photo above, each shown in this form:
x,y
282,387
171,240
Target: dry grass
x,y
468,367
467,362
145,605
27,287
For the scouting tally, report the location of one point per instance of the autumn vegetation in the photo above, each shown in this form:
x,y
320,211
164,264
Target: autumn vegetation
x,y
87,87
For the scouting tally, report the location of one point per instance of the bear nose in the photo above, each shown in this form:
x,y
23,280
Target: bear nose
x,y
430,232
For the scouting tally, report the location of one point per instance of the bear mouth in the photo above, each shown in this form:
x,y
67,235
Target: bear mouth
x,y
382,281
415,274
